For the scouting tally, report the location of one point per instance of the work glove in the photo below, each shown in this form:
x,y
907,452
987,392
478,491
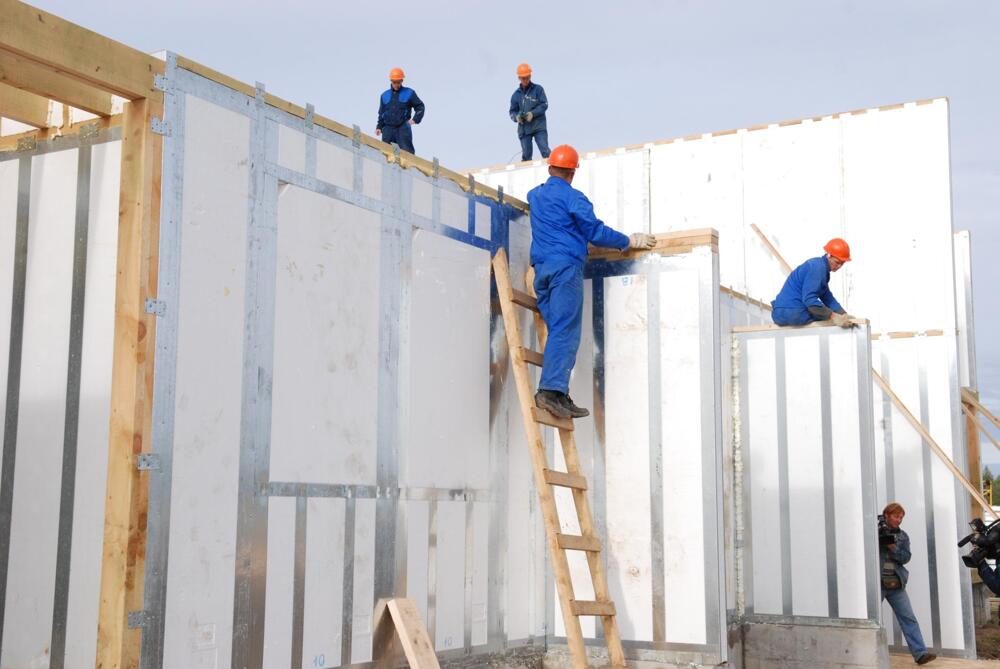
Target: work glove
x,y
640,240
520,118
529,116
843,320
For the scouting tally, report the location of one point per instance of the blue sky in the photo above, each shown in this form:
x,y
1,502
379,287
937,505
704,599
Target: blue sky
x,y
616,73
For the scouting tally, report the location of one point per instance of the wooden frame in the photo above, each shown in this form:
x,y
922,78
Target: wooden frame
x,y
43,58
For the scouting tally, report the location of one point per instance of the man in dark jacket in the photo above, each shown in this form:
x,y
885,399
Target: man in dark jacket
x,y
806,295
527,109
892,557
394,110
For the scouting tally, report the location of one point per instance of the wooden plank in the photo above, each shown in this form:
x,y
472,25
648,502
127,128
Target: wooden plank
x,y
412,633
587,608
565,480
977,427
22,73
929,440
770,247
545,418
23,106
16,141
523,299
532,357
972,399
536,450
815,324
667,243
972,455
575,542
77,52
122,565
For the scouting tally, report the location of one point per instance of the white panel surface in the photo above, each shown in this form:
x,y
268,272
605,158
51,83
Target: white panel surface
x,y
41,410
209,373
364,581
454,210
8,232
325,394
334,165
323,611
421,197
280,574
291,149
450,627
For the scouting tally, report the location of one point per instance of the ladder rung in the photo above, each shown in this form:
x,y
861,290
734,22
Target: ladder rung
x,y
592,608
575,542
565,480
522,298
532,357
545,418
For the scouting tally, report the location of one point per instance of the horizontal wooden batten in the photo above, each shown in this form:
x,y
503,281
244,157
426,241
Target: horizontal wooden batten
x,y
27,75
24,107
26,140
565,480
585,608
545,418
667,243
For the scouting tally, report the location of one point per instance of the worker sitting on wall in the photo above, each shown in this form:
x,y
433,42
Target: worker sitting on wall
x,y
527,109
394,109
892,557
562,223
806,295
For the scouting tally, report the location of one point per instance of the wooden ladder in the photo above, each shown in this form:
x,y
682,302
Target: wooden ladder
x,y
546,478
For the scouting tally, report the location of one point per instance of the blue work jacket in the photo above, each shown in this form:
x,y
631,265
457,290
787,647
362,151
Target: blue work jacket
x,y
900,556
395,106
563,221
808,286
527,100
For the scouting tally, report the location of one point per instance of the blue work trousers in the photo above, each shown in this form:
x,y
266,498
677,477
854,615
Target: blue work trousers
x,y
900,603
400,134
541,138
791,316
559,287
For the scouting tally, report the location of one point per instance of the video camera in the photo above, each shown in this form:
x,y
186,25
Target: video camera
x,y
886,535
985,540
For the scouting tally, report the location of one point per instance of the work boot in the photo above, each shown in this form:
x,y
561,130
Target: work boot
x,y
574,410
926,657
551,401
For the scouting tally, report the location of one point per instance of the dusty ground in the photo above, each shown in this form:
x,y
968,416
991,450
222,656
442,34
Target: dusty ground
x,y
988,641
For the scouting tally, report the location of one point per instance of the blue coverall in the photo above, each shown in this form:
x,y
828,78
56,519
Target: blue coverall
x,y
807,286
531,99
562,222
393,113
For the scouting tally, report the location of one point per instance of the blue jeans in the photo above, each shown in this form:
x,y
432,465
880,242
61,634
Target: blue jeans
x,y
402,135
791,316
559,286
541,138
900,603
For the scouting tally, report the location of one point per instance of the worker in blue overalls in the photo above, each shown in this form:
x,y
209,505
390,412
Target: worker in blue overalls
x,y
394,109
562,223
806,295
527,109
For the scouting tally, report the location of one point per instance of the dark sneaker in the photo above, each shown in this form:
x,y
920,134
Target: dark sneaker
x,y
551,401
574,410
926,657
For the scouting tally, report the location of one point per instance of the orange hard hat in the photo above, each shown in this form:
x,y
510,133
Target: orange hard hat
x,y
565,156
839,249
524,70
396,74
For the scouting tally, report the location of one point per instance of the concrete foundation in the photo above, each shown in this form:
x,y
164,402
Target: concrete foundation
x,y
785,646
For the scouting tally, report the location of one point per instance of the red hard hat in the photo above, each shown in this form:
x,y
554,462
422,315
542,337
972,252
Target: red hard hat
x,y
524,70
396,74
839,249
566,156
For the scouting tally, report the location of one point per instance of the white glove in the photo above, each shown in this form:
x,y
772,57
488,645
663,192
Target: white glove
x,y
529,116
843,320
640,240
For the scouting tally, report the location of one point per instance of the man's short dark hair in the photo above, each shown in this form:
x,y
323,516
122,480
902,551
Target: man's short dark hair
x,y
561,172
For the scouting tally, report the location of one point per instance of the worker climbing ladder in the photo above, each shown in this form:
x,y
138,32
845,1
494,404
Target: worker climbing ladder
x,y
546,478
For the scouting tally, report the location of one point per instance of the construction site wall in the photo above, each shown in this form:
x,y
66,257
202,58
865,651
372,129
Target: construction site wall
x,y
879,178
58,240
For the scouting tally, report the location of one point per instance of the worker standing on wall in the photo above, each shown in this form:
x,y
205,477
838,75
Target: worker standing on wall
x,y
562,223
892,557
806,295
394,109
527,109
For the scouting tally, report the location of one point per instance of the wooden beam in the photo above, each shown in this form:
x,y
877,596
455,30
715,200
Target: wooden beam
x,y
770,247
972,455
123,559
815,324
22,73
23,106
938,451
77,52
12,142
973,399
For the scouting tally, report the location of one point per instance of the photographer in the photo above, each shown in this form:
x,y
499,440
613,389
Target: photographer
x,y
985,540
989,575
894,552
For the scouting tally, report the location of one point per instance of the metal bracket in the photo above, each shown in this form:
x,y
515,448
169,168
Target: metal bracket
x,y
499,194
155,307
356,140
472,184
159,126
148,462
26,144
310,114
89,131
138,619
395,153
259,92
161,83
436,168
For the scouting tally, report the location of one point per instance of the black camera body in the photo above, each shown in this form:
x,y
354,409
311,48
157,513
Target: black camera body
x,y
886,535
985,540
